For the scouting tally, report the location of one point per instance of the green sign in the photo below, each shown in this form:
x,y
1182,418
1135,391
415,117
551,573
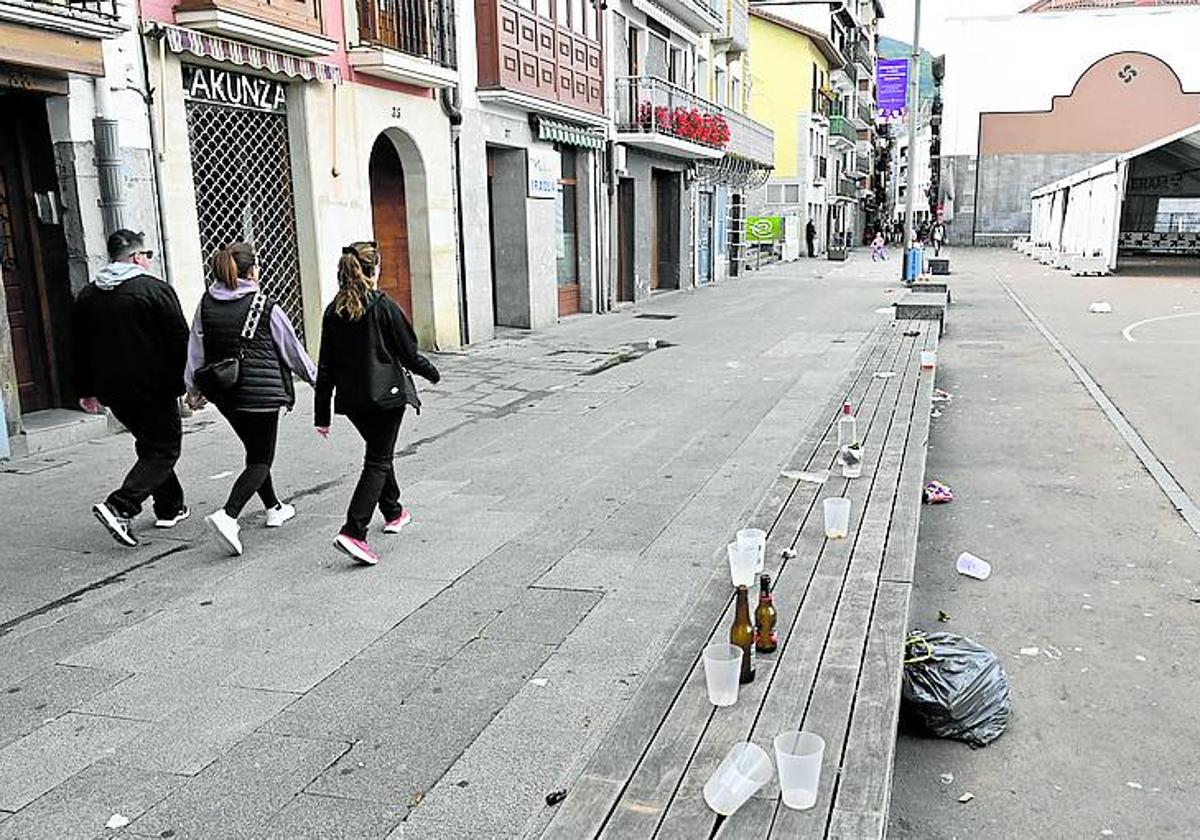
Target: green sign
x,y
764,228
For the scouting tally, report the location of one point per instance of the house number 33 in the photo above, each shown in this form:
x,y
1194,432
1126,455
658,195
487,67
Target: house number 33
x,y
397,112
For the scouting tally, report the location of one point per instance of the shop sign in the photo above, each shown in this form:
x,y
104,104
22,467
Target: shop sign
x,y
225,87
764,228
543,173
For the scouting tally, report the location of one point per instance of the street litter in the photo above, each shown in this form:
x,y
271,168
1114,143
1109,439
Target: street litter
x,y
1134,785
911,333
941,396
1052,652
943,616
555,797
815,476
1140,658
955,687
651,343
220,475
883,310
787,554
966,797
971,566
117,821
935,414
540,682
1030,651
937,493
946,778
1100,307
884,374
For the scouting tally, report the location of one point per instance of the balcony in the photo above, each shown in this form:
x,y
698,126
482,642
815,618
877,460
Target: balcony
x,y
654,114
866,114
291,26
735,36
860,54
840,129
409,41
821,106
93,19
699,15
847,188
533,62
749,139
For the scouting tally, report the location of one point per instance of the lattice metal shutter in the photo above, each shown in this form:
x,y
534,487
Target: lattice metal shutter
x,y
243,173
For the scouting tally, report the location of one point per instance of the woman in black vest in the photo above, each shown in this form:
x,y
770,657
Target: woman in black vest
x,y
264,384
368,348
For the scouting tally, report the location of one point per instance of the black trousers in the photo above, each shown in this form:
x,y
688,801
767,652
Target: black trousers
x,y
812,251
258,432
158,437
377,484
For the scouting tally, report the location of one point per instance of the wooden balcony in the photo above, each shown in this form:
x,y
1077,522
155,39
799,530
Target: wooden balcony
x,y
410,41
90,19
291,26
530,58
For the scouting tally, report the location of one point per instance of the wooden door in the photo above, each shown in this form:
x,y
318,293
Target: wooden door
x,y
389,214
625,244
23,291
655,223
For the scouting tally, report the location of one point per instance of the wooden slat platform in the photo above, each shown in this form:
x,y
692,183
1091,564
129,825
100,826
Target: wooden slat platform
x,y
843,607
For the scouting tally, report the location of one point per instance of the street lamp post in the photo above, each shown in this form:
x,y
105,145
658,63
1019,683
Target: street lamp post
x,y
914,93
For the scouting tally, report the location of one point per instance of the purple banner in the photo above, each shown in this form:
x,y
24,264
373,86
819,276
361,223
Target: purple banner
x,y
891,88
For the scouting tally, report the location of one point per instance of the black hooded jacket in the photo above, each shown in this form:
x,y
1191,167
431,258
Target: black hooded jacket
x,y
362,363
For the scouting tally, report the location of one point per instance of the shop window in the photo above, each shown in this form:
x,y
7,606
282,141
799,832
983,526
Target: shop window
x,y
566,210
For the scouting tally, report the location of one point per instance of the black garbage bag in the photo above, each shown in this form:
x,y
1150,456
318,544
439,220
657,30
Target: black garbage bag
x,y
955,687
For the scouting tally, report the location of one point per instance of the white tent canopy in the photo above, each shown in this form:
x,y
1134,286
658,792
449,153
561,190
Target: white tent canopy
x,y
1081,214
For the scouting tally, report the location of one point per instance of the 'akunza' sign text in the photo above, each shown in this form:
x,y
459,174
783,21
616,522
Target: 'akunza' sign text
x,y
224,87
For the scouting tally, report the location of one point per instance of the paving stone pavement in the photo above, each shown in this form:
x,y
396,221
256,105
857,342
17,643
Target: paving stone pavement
x,y
571,491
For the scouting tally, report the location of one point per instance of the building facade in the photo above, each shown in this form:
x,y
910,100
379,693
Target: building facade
x,y
1110,77
792,92
75,161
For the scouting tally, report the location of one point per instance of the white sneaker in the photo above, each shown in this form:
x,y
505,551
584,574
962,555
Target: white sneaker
x,y
279,514
227,528
172,521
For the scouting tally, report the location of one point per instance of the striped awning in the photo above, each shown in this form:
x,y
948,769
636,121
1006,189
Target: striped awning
x,y
203,45
568,134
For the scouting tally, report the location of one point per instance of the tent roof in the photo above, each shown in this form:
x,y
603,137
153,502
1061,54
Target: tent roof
x,y
1188,136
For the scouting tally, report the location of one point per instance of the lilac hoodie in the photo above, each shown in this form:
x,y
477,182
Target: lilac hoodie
x,y
282,332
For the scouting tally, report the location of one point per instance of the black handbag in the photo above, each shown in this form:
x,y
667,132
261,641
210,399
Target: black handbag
x,y
215,379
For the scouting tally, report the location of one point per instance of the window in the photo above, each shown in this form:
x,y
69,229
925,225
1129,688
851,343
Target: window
x,y
676,66
774,193
577,8
590,14
735,93
719,85
545,9
791,193
563,12
565,212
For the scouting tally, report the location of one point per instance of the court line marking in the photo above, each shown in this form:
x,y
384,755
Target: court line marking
x,y
1175,493
1128,331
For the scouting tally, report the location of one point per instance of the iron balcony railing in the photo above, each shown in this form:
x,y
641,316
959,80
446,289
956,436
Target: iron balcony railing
x,y
106,9
839,126
847,188
749,138
651,105
421,28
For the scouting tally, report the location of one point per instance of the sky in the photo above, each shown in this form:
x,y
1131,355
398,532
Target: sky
x,y
898,17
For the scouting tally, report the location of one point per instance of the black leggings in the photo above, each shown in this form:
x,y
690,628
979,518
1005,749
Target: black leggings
x,y
377,486
258,431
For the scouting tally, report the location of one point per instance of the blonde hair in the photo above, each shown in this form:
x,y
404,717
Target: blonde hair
x,y
233,261
356,269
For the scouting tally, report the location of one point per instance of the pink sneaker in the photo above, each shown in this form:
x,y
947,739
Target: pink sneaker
x,y
396,525
358,549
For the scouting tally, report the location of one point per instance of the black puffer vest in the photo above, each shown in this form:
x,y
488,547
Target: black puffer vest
x,y
264,382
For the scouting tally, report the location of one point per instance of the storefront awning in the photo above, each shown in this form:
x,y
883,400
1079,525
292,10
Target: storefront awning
x,y
203,45
571,135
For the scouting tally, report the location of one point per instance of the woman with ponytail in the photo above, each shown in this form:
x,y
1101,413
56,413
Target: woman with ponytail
x,y
368,348
237,320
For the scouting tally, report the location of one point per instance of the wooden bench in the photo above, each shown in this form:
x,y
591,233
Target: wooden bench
x,y
843,616
923,306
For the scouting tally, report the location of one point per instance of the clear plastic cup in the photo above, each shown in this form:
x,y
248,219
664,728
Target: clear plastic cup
x,y
722,670
837,518
799,756
928,359
743,561
757,538
743,771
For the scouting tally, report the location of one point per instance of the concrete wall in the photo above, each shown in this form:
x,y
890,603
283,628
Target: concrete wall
x,y
639,167
1005,182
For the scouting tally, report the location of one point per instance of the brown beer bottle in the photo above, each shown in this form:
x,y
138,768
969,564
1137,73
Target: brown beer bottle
x,y
766,639
742,635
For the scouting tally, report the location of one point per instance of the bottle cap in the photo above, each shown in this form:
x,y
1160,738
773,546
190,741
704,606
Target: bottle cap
x,y
846,408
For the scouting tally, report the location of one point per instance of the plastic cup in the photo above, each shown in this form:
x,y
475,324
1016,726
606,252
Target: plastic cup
x,y
722,670
743,771
799,756
928,359
837,518
758,538
743,561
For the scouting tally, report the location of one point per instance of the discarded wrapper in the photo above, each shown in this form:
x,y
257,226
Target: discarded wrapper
x,y
937,493
884,374
556,797
117,821
1100,307
941,396
814,477
971,566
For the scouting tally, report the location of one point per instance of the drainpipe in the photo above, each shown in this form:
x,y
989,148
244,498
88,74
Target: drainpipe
x,y
451,101
157,155
108,159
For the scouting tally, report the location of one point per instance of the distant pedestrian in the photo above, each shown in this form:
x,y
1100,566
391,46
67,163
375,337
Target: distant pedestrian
x,y
810,236
368,348
130,343
878,248
939,238
236,319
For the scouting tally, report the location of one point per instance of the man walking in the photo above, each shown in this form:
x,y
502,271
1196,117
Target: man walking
x,y
939,237
810,236
130,343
